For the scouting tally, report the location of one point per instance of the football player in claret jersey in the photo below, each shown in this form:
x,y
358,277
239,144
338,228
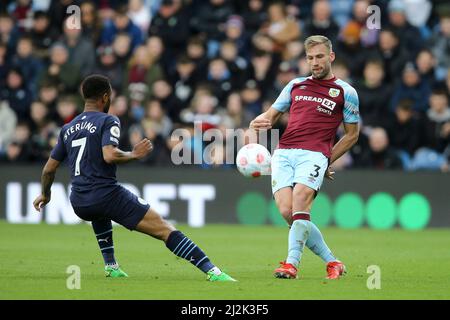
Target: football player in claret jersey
x,y
90,145
317,105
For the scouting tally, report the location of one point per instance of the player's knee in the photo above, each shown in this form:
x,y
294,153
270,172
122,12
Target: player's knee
x,y
286,212
303,195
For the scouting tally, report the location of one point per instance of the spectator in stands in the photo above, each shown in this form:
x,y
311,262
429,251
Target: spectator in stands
x,y
373,93
142,69
81,50
163,91
9,32
413,88
341,11
360,13
91,25
108,66
379,155
240,116
67,109
25,60
155,48
121,23
8,121
410,37
42,129
48,94
294,51
20,148
61,70
417,13
156,118
17,94
196,51
274,35
184,79
4,64
437,122
204,108
219,78
39,115
285,73
254,15
210,20
171,24
404,128
263,69
235,63
321,22
439,44
342,71
139,15
235,32
251,97
43,35
426,62
122,48
349,49
22,12
394,56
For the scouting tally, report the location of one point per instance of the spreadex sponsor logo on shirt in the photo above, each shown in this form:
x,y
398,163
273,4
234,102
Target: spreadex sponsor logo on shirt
x,y
324,103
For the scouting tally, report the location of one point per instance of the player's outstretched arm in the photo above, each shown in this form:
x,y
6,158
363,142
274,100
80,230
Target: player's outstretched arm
x,y
265,120
47,177
112,154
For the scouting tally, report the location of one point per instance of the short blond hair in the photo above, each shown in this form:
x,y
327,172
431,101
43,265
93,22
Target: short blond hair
x,y
316,40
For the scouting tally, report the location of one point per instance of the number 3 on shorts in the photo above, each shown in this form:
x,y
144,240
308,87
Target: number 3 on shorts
x,y
316,171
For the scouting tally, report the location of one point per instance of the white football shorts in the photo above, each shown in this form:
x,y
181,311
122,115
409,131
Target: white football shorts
x,y
291,166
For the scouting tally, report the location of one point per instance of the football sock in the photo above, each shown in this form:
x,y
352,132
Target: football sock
x,y
185,248
317,244
298,235
103,232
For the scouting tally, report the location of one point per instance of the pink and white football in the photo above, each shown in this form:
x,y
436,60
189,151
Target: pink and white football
x,y
253,160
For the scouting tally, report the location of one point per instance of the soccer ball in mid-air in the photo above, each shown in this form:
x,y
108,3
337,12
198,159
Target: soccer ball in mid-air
x,y
253,160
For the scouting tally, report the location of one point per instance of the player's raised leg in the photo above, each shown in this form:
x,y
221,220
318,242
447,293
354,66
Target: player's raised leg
x,y
104,234
183,247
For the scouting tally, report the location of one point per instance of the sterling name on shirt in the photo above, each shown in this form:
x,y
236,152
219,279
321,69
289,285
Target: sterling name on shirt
x,y
88,126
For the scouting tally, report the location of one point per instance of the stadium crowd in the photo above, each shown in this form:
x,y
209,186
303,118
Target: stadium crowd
x,y
222,62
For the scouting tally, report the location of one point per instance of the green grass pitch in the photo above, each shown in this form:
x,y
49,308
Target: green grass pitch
x,y
34,259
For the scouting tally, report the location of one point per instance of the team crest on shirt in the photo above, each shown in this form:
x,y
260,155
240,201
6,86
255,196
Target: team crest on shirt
x,y
334,92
